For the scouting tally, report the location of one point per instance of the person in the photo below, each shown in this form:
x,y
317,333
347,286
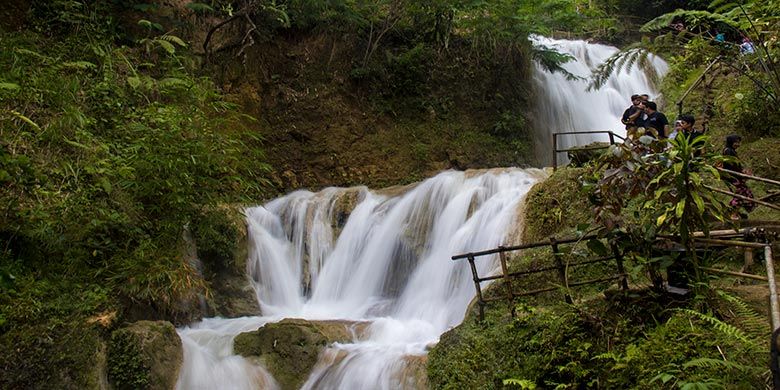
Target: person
x,y
632,116
739,184
677,128
686,127
746,47
656,121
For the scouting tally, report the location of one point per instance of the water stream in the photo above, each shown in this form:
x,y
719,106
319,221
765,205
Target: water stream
x,y
384,256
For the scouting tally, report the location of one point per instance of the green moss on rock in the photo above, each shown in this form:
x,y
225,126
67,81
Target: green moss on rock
x,y
555,206
146,354
51,355
289,349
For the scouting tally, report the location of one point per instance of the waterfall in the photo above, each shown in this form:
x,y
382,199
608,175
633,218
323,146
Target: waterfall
x,y
384,256
567,105
358,254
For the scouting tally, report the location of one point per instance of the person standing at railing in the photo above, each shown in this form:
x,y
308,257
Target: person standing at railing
x,y
632,117
656,121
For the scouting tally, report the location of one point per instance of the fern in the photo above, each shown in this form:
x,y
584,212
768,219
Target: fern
x,y
692,18
552,60
723,327
751,320
524,384
632,55
717,364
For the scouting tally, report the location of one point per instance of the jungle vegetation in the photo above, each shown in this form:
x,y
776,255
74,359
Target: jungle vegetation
x,y
116,136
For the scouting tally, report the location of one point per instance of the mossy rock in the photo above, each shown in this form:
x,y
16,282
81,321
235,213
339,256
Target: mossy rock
x,y
220,236
556,206
146,354
289,349
50,355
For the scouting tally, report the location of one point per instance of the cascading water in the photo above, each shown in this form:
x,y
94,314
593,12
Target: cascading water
x,y
567,105
361,255
386,260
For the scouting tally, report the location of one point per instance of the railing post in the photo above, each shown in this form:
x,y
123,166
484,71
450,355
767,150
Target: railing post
x,y
561,269
480,301
611,138
621,270
774,307
555,151
507,281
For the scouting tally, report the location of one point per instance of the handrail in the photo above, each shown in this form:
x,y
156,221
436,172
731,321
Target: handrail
x,y
611,134
560,266
752,177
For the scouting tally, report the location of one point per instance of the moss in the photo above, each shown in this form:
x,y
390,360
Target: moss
x,y
627,341
555,206
146,354
51,355
290,348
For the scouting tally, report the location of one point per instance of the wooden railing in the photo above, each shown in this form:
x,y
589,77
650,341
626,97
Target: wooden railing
x,y
560,266
611,135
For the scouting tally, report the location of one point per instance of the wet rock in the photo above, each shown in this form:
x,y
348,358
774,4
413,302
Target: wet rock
x,y
289,349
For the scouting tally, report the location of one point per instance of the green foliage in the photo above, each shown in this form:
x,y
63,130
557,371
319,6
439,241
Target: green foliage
x,y
216,236
691,47
557,206
667,187
106,152
630,341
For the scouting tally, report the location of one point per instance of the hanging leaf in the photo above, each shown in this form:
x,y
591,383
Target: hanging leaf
x,y
199,7
597,247
174,39
680,209
134,82
660,220
167,46
9,86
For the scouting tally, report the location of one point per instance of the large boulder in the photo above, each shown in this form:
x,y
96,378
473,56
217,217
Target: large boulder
x,y
145,354
289,349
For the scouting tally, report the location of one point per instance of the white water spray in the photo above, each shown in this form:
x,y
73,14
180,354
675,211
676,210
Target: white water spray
x,y
567,105
389,264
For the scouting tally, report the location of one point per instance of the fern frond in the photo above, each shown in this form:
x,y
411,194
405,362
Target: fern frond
x,y
718,364
552,60
174,39
723,327
616,62
750,319
693,18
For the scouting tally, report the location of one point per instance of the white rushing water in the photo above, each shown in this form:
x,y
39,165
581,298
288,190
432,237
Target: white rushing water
x,y
387,261
567,105
384,257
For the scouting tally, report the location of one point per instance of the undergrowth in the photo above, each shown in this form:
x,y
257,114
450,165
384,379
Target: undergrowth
x,y
109,144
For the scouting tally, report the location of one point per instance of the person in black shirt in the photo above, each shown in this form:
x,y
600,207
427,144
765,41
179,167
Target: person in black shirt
x,y
632,116
655,120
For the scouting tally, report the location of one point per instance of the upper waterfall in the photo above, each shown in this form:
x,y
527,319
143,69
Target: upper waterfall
x,y
566,105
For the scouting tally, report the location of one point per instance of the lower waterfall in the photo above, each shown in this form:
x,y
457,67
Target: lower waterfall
x,y
363,255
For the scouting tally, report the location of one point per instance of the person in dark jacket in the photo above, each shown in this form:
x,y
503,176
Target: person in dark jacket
x,y
739,184
656,121
632,116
